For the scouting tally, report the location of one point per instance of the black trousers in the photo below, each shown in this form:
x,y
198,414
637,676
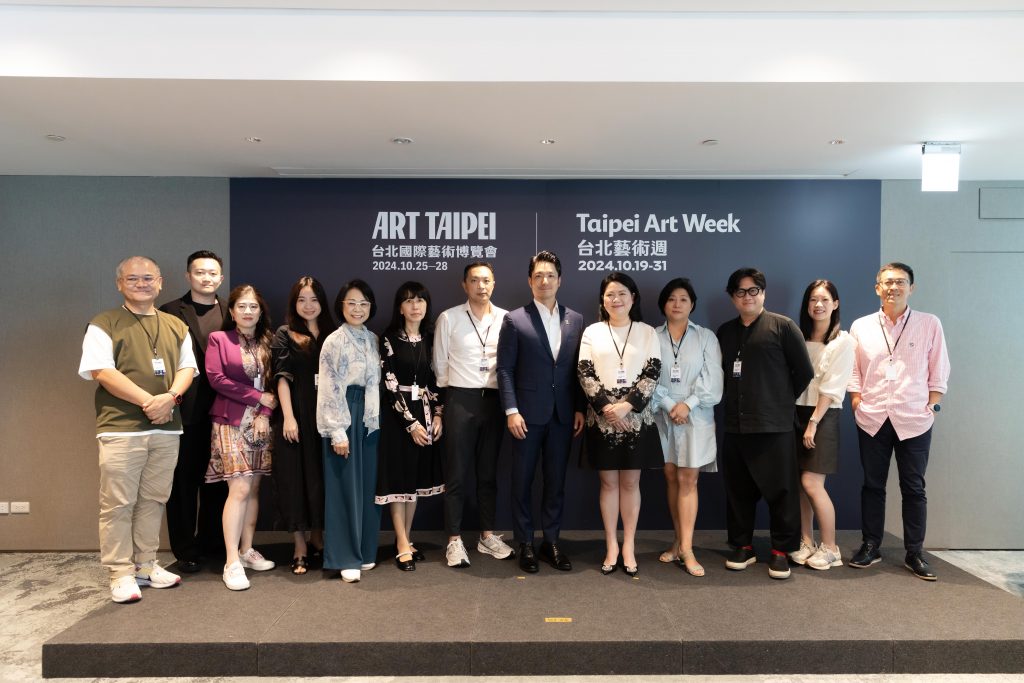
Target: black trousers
x,y
195,508
911,462
473,427
548,444
756,466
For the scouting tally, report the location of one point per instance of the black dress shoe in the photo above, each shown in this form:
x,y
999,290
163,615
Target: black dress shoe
x,y
553,555
527,560
405,565
916,564
188,566
417,556
866,556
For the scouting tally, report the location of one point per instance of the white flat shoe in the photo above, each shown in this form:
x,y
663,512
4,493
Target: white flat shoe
x,y
350,575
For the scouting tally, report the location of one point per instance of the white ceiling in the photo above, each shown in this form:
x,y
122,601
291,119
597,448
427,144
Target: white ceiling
x,y
174,89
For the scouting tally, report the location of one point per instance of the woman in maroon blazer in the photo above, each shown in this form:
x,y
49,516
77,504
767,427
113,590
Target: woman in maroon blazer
x,y
238,367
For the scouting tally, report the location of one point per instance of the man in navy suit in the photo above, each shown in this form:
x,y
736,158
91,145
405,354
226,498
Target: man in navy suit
x,y
537,352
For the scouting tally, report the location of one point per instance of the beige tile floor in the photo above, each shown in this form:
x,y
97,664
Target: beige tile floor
x,y
41,594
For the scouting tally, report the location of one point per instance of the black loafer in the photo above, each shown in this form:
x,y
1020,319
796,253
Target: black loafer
x,y
527,559
866,556
553,555
188,566
919,567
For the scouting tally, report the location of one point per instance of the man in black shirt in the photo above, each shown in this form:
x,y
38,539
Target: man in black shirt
x,y
766,368
194,532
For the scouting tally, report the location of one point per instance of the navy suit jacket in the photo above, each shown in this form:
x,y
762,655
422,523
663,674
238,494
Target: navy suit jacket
x,y
530,379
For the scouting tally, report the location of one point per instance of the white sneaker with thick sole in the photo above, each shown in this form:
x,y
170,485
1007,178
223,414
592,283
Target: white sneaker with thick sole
x,y
125,589
495,547
368,566
350,575
252,559
800,556
456,554
153,575
234,577
825,558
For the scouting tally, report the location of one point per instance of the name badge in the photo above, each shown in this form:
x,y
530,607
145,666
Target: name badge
x,y
158,367
890,372
483,365
258,383
415,391
676,376
737,368
620,376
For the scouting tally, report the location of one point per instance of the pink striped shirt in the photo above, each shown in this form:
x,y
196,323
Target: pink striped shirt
x,y
918,352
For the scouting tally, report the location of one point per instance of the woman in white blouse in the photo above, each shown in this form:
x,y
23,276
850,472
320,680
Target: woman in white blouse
x,y
348,417
619,365
817,421
689,389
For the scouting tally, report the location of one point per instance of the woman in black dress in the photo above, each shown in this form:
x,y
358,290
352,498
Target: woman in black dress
x,y
298,467
409,464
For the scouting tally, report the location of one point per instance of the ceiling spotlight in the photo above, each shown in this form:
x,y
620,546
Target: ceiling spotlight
x,y
402,141
837,141
253,138
710,142
55,138
547,141
940,166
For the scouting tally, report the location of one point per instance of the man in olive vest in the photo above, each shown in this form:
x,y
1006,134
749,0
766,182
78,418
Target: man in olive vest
x,y
143,361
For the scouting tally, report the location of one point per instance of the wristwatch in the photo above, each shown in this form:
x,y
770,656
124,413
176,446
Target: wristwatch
x,y
177,397
934,407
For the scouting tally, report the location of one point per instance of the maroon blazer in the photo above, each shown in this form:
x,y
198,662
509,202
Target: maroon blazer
x,y
234,388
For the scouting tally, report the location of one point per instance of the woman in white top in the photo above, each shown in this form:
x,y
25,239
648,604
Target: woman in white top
x,y
689,389
817,420
619,365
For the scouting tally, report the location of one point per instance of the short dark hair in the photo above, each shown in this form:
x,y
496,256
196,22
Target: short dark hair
x,y
476,264
753,273
324,321
673,285
635,314
896,265
364,289
411,290
202,253
546,257
806,324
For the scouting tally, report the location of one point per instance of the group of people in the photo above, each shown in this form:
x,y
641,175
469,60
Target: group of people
x,y
197,401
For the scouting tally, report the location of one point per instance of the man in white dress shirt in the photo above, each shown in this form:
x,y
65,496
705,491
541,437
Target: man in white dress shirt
x,y
465,362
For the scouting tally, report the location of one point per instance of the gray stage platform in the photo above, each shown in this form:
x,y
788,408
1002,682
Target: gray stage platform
x,y
490,619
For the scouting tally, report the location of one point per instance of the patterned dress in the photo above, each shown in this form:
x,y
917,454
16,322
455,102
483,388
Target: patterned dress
x,y
603,351
406,471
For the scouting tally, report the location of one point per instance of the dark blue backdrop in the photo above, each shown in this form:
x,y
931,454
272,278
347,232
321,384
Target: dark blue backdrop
x,y
389,231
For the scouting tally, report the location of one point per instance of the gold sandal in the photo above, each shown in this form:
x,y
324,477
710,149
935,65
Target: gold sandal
x,y
692,571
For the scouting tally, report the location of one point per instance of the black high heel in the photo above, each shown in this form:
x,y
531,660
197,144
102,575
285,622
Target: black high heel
x,y
631,572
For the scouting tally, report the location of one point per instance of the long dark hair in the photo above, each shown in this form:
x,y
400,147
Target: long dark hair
x,y
262,334
410,290
297,325
807,324
626,281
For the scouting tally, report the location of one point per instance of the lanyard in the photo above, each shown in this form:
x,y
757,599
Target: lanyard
x,y
483,339
676,347
418,345
152,341
892,349
252,350
624,343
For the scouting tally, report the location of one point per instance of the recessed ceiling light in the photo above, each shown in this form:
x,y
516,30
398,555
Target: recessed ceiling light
x,y
55,138
710,142
253,138
402,141
547,141
837,141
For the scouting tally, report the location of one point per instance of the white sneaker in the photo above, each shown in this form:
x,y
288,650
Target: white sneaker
x,y
825,558
456,554
251,559
153,575
234,577
350,575
125,589
495,547
800,556
368,566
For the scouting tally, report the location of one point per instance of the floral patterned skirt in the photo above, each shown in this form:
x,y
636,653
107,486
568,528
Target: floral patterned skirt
x,y
233,453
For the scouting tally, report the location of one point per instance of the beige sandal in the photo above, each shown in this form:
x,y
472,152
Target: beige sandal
x,y
668,556
685,555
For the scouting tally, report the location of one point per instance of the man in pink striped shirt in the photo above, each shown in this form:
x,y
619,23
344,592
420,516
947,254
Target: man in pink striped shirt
x,y
899,378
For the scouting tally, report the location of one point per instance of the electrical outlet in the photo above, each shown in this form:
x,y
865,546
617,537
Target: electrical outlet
x,y
5,508
19,508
